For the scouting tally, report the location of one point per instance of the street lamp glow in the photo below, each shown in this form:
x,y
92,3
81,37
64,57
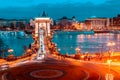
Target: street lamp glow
x,y
77,49
10,50
82,56
59,49
109,61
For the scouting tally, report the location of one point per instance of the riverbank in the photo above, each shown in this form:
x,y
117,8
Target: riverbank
x,y
92,31
84,56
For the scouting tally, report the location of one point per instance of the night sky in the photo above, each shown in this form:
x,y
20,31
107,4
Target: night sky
x,y
7,3
82,9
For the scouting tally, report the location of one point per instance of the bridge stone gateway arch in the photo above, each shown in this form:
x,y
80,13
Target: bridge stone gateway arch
x,y
42,30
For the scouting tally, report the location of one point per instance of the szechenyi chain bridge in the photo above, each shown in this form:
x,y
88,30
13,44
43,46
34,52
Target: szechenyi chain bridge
x,y
45,62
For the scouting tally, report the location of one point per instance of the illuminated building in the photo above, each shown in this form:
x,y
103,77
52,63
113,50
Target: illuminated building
x,y
97,23
13,23
3,22
115,23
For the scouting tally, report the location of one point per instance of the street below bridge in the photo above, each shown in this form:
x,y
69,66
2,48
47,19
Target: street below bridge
x,y
57,68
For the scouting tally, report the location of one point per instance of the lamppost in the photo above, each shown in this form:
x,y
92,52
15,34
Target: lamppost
x,y
11,56
109,63
77,55
110,44
58,52
110,76
77,50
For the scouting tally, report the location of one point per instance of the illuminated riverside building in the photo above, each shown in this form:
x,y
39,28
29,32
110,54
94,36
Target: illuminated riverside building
x,y
97,23
69,23
65,23
115,23
14,23
3,22
80,26
17,23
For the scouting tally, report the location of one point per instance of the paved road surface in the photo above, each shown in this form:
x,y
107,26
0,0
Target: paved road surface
x,y
69,69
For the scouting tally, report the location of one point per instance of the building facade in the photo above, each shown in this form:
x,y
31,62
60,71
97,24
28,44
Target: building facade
x,y
12,23
69,24
115,23
3,22
97,23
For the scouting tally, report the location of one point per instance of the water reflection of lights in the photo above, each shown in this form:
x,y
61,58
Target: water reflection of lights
x,y
90,42
110,43
71,47
10,50
70,36
80,38
88,36
118,36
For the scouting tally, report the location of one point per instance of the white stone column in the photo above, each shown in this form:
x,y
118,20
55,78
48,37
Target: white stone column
x,y
36,29
48,29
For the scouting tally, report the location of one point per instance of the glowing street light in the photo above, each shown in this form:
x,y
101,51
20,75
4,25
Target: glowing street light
x,y
77,50
29,50
59,49
10,50
77,55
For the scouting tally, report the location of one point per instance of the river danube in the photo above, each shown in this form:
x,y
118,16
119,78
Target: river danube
x,y
68,41
15,41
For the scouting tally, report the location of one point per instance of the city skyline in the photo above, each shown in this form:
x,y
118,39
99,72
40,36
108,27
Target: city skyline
x,y
57,9
60,40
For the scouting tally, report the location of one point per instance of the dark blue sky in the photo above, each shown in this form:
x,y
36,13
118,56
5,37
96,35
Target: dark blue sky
x,y
82,9
23,3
